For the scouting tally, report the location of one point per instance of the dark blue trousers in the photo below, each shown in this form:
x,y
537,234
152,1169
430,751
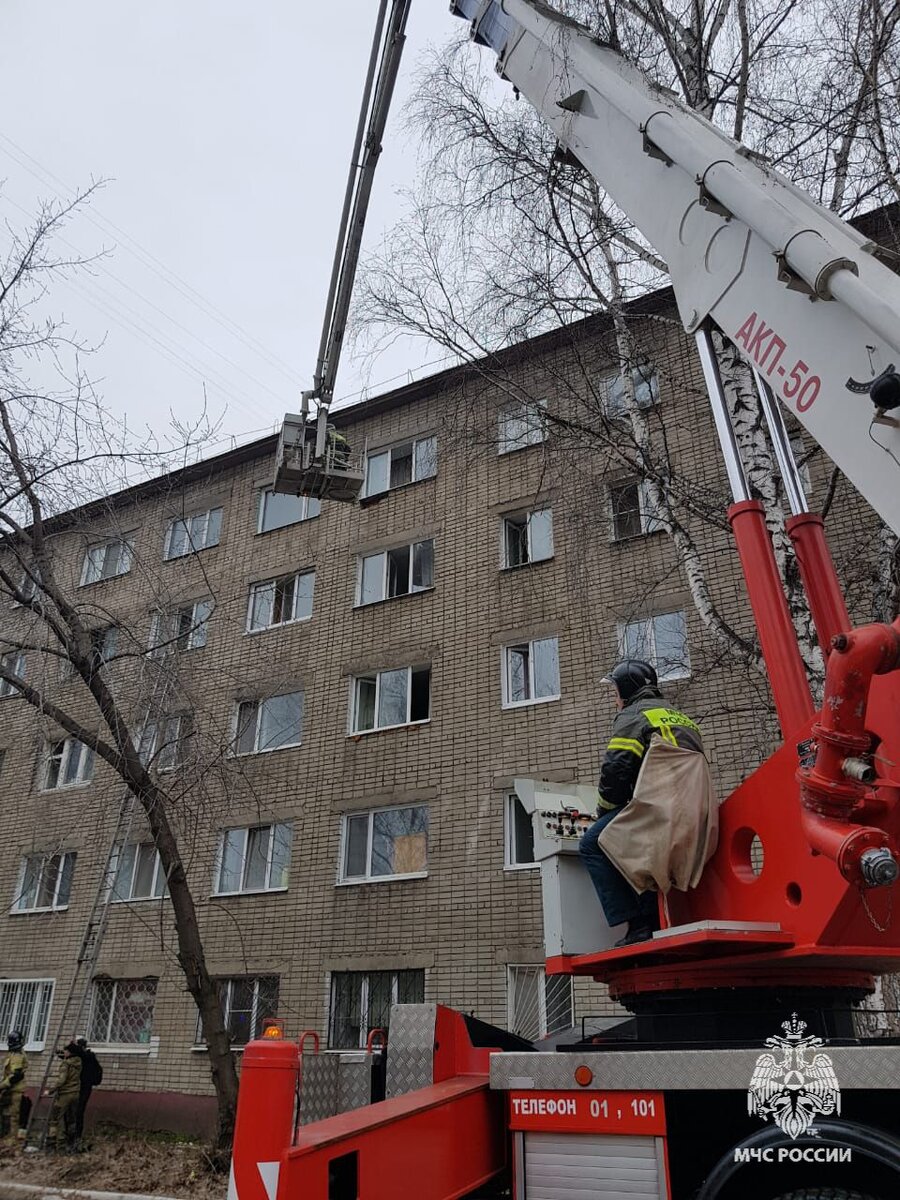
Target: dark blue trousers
x,y
620,901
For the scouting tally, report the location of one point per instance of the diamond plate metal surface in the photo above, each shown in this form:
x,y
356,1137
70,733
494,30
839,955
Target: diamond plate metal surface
x,y
410,1060
318,1087
354,1083
856,1067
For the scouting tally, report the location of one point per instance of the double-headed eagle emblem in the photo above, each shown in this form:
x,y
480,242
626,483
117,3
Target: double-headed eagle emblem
x,y
790,1087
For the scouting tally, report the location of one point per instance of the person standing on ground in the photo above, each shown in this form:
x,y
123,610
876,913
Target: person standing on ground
x,y
65,1092
12,1087
641,713
91,1077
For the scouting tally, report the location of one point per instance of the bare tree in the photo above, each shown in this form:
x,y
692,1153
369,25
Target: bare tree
x,y
61,452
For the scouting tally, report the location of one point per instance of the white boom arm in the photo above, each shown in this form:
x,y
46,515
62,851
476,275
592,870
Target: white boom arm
x,y
798,291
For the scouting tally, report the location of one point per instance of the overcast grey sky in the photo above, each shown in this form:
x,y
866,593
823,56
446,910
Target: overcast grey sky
x,y
224,130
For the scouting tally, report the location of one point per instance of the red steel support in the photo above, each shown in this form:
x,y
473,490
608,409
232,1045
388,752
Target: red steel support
x,y
265,1117
820,581
787,675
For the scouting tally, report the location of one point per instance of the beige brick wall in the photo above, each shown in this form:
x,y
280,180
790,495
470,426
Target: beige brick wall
x,y
469,917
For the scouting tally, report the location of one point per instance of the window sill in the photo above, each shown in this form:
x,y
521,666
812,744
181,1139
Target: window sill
x,y
289,525
279,625
248,892
201,1048
675,678
106,579
387,599
132,1049
66,787
534,562
501,452
381,879
190,553
270,750
532,866
31,912
628,538
137,900
365,501
513,704
361,733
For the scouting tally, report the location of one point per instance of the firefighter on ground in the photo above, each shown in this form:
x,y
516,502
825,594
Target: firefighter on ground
x,y
12,1087
642,713
65,1092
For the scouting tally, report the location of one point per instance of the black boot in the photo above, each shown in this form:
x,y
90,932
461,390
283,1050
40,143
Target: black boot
x,y
639,930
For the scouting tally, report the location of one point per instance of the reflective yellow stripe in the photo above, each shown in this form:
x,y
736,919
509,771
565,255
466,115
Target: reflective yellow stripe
x,y
631,744
601,803
663,719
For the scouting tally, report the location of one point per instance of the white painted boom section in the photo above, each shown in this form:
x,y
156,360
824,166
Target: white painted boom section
x,y
797,290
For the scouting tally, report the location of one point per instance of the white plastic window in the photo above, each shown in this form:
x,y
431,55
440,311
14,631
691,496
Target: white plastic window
x,y
45,882
519,834
385,843
25,1005
646,390
395,572
269,724
277,510
405,463
519,425
164,744
138,873
253,859
527,538
247,1002
186,535
660,640
281,601
12,661
107,559
389,698
531,672
633,513
181,629
68,763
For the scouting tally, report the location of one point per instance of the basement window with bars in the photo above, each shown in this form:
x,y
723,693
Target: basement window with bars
x,y
386,699
277,510
187,535
253,859
281,601
248,1001
408,462
106,560
661,641
45,882
68,764
361,1001
139,873
12,661
519,835
633,513
180,629
25,1005
122,1011
530,672
396,572
270,724
526,538
386,843
538,1004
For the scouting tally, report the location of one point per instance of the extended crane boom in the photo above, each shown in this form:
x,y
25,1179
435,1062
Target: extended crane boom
x,y
800,293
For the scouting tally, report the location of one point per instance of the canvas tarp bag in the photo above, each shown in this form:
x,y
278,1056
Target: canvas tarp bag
x,y
669,830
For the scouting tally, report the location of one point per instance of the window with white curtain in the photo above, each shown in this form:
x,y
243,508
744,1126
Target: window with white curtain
x,y
254,858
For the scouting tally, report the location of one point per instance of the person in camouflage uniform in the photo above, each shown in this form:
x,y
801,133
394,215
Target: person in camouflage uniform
x,y
65,1093
12,1087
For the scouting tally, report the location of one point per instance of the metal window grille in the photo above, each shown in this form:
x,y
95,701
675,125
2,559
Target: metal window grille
x,y
25,1005
122,1011
361,1001
247,1001
538,1004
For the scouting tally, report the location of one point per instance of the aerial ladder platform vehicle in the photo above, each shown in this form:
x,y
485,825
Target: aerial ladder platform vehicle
x,y
676,1099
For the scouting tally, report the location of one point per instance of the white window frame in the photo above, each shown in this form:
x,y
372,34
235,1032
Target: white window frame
x,y
165,641
159,876
345,879
124,559
226,984
260,702
510,861
117,984
35,1036
528,518
649,519
293,619
85,771
531,416
192,546
67,859
421,461
305,506
536,969
364,999
170,755
356,680
246,830
383,555
505,671
649,639
644,374
16,667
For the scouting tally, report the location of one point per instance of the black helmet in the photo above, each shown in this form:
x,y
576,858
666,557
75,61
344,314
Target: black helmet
x,y
15,1040
630,675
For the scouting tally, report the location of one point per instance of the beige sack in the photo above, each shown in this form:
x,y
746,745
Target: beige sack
x,y
669,830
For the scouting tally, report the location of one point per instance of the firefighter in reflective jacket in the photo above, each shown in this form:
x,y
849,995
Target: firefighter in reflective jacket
x,y
12,1087
641,714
